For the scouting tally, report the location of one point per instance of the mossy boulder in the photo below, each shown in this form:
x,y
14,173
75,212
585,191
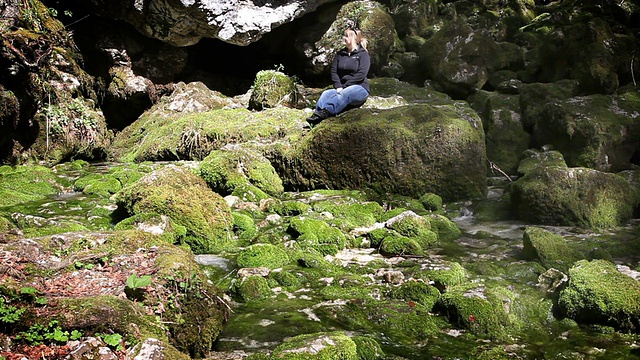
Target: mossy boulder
x,y
394,245
348,213
253,288
550,249
446,229
193,130
417,291
244,226
460,58
431,202
368,348
442,274
597,293
273,88
322,346
317,234
289,208
415,227
504,131
187,200
597,131
534,158
484,311
227,170
534,96
573,196
263,255
21,184
367,148
391,92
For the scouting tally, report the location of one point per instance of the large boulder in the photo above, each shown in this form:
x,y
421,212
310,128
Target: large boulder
x,y
407,150
597,131
319,44
460,59
184,23
573,196
597,293
193,121
200,217
505,135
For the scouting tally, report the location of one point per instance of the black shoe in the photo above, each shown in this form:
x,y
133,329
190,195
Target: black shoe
x,y
318,116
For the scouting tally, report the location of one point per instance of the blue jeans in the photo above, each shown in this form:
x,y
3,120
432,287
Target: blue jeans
x,y
335,102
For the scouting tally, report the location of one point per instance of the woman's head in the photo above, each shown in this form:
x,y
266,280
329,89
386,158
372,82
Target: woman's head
x,y
353,38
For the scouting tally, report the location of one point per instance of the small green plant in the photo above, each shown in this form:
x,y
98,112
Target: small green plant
x,y
9,314
113,340
38,334
136,285
32,294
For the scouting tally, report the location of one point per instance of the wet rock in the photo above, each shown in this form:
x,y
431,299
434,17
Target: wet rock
x,y
550,249
551,280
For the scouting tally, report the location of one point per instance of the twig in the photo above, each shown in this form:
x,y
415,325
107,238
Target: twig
x,y
493,166
632,75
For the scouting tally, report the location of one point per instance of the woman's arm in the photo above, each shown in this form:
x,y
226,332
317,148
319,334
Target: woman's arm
x,y
335,78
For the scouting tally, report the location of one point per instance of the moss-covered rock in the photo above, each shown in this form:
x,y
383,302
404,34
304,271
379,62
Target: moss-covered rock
x,y
504,131
187,200
447,58
348,213
534,158
446,229
368,348
244,226
315,233
596,131
431,202
164,134
27,183
483,311
400,93
597,293
226,170
415,227
550,249
366,148
289,208
393,245
260,255
253,288
273,88
443,274
534,97
322,346
417,291
572,196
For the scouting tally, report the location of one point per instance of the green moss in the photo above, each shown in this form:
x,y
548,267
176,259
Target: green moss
x,y
27,183
414,226
104,187
266,255
478,309
288,279
443,275
534,158
597,293
573,196
312,232
241,171
446,229
289,208
431,202
322,346
350,215
550,249
368,348
170,136
253,288
417,291
186,199
273,88
244,226
400,245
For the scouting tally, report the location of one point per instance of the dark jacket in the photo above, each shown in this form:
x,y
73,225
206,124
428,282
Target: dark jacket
x,y
351,69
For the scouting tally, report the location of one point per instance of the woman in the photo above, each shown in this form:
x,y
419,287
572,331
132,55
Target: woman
x,y
349,75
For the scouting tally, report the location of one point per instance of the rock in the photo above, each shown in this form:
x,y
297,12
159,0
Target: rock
x,y
184,23
407,150
550,249
573,196
597,131
149,349
534,158
258,271
552,280
329,345
597,293
273,88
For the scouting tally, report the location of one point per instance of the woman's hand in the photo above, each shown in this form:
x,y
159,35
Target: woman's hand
x,y
339,90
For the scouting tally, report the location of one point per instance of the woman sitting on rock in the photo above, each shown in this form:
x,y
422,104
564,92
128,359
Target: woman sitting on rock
x,y
349,75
